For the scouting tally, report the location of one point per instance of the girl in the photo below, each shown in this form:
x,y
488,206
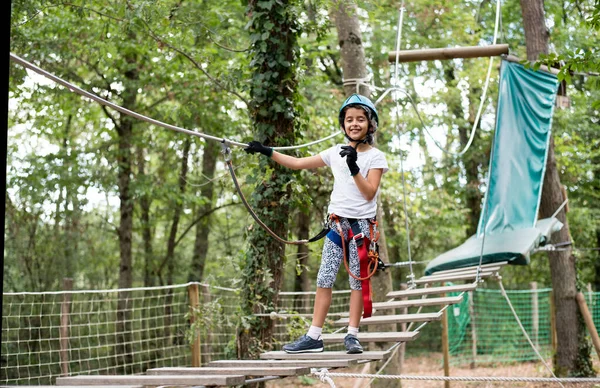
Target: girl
x,y
357,170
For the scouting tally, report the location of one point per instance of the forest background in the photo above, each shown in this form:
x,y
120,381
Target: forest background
x,y
113,202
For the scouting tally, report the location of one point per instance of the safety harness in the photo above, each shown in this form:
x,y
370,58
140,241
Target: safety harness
x,y
368,255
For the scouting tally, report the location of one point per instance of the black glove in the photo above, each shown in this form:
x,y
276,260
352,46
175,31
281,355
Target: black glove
x,y
256,146
351,157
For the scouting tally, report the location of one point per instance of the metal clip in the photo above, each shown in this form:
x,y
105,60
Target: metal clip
x,y
225,150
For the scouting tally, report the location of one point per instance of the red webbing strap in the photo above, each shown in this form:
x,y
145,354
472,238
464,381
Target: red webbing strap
x,y
367,260
365,277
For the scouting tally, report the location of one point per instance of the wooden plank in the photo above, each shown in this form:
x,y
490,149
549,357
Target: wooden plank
x,y
453,278
333,355
280,363
467,272
399,336
400,318
247,371
499,264
431,290
448,53
76,386
417,302
104,380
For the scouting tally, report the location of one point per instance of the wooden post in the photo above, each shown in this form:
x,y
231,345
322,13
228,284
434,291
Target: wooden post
x,y
589,322
471,295
448,53
553,323
208,337
65,310
445,345
535,317
590,295
194,302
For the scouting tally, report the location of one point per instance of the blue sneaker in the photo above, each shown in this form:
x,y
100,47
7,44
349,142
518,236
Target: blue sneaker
x,y
352,345
304,344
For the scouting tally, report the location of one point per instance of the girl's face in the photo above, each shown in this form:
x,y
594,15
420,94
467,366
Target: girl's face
x,y
356,123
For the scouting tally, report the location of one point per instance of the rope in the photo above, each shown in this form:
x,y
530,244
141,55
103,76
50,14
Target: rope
x,y
141,117
324,374
227,153
525,332
411,275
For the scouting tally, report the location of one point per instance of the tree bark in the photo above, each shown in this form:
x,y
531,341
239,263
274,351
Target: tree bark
x,y
125,231
170,256
352,51
273,91
570,358
536,33
471,160
145,204
209,163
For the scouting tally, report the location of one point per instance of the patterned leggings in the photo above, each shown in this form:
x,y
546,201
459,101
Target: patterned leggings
x,y
332,256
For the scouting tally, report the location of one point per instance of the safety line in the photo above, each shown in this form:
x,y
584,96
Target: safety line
x,y
525,331
227,153
138,116
577,380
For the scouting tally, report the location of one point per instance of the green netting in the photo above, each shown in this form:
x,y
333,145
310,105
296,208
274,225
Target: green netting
x,y
482,329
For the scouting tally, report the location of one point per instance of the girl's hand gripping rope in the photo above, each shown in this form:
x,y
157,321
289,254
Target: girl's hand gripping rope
x,y
351,157
256,146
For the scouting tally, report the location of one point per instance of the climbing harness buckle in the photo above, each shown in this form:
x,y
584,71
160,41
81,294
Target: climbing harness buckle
x,y
358,238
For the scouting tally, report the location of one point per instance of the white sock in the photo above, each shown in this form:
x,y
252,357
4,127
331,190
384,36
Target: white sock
x,y
314,332
353,331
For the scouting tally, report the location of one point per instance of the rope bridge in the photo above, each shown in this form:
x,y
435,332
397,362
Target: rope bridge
x,y
50,334
47,335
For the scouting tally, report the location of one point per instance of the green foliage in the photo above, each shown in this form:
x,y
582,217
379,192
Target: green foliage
x,y
268,71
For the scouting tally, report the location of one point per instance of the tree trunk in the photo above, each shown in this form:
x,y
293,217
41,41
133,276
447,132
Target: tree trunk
x,y
571,358
209,163
471,160
350,42
145,203
171,242
125,231
273,90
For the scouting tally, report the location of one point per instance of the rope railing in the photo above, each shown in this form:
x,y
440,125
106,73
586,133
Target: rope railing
x,y
326,376
102,101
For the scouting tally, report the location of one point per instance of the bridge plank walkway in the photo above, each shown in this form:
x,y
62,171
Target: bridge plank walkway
x,y
279,364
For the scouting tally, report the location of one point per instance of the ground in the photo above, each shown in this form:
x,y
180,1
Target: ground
x,y
430,365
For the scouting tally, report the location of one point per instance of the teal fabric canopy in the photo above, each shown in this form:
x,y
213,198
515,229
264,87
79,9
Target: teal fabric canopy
x,y
516,173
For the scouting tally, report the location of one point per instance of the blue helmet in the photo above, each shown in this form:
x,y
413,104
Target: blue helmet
x,y
356,100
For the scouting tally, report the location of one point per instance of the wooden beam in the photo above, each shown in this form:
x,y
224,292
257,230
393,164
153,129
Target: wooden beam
x,y
400,336
512,58
332,355
431,291
417,302
589,321
453,278
383,319
484,267
246,371
341,363
448,53
105,380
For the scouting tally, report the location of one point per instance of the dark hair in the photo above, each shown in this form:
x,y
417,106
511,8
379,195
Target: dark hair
x,y
370,116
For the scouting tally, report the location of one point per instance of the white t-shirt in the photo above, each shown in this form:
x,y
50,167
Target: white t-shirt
x,y
346,199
